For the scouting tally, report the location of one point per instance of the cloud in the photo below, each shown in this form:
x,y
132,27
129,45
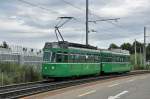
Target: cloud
x,y
119,8
24,24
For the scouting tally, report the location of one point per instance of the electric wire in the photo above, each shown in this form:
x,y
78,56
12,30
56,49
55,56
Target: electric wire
x,y
91,13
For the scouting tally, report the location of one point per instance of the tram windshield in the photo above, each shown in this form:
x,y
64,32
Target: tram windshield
x,y
47,56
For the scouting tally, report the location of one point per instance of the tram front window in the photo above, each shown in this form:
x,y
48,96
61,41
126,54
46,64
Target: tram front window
x,y
47,56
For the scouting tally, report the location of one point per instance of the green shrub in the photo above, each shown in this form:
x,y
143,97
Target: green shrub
x,y
5,80
14,73
139,64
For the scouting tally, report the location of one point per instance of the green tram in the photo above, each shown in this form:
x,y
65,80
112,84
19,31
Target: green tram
x,y
64,59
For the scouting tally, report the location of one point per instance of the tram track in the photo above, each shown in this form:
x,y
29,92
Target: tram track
x,y
15,86
26,89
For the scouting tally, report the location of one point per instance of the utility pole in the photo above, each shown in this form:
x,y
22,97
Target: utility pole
x,y
135,55
141,56
87,20
2,78
144,48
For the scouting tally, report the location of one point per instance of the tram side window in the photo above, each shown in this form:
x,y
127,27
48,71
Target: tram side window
x,y
128,58
82,58
88,58
76,58
121,59
97,59
59,57
65,57
91,58
109,58
71,58
118,59
106,58
113,58
124,59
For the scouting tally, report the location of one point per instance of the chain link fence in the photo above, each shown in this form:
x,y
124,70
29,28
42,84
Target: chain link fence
x,y
22,56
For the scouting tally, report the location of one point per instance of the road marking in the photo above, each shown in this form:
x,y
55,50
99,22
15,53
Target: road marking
x,y
118,95
131,80
114,85
87,93
143,78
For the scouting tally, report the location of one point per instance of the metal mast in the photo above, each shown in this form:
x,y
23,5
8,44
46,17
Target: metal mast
x,y
87,20
144,47
135,55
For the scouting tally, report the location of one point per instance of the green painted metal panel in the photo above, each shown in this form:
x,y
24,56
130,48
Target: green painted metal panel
x,y
70,69
115,67
55,70
85,69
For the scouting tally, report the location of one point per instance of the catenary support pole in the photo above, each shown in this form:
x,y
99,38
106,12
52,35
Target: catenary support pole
x,y
141,56
144,48
135,55
87,20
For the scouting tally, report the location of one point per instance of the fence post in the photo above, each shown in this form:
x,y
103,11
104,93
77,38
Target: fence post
x,y
2,79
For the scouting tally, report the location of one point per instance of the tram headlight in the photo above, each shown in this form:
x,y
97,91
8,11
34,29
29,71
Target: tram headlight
x,y
45,67
53,67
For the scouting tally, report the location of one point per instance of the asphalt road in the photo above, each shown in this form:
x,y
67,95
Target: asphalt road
x,y
136,87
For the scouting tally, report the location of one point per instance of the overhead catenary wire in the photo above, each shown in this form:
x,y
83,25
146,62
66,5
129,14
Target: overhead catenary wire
x,y
46,9
66,2
91,13
38,6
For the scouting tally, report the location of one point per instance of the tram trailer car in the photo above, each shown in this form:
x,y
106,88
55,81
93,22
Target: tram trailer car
x,y
64,59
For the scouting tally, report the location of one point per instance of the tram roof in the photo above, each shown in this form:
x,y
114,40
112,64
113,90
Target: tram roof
x,y
69,45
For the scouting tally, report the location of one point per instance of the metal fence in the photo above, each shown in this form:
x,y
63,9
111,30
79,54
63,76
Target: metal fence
x,y
148,62
22,55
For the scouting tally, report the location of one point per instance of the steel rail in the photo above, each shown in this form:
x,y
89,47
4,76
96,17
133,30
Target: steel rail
x,y
12,86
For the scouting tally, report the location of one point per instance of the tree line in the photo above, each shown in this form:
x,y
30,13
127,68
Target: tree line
x,y
131,48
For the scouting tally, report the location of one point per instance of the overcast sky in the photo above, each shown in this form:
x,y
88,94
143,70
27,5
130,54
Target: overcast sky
x,y
33,25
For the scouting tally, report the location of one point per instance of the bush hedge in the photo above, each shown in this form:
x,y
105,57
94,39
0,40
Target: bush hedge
x,y
14,73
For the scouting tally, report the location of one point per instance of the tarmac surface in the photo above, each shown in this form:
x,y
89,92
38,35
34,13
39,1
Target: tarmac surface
x,y
133,87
